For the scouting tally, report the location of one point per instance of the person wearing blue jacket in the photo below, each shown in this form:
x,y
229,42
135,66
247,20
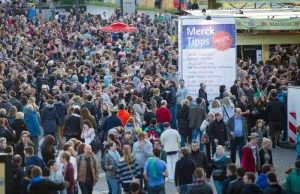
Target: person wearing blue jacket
x,y
61,110
32,159
31,13
262,179
298,143
49,119
33,126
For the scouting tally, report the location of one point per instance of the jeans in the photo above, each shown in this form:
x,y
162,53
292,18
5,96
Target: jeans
x,y
182,143
159,189
213,147
161,126
219,186
114,185
60,134
35,141
173,117
86,187
142,180
183,189
237,143
195,133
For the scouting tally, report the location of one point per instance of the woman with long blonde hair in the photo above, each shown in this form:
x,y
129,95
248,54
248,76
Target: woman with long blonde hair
x,y
228,109
128,169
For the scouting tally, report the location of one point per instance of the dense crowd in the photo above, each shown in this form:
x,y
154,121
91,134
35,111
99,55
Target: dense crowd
x,y
119,95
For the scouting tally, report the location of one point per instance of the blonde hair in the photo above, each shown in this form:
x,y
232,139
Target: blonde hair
x,y
12,112
127,154
20,115
227,102
156,92
185,102
215,104
266,141
221,147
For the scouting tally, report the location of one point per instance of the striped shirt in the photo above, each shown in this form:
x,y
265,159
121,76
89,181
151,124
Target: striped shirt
x,y
124,174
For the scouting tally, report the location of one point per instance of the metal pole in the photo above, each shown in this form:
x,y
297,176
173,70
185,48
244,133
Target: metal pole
x,y
76,10
40,7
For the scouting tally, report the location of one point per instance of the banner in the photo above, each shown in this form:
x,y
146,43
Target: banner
x,y
293,109
255,1
268,24
207,54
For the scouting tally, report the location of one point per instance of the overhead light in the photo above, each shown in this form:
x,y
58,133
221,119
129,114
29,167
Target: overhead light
x,y
208,17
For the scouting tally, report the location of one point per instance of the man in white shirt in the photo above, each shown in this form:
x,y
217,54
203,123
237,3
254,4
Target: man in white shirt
x,y
170,139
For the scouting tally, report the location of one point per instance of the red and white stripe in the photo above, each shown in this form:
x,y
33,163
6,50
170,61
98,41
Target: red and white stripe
x,y
292,123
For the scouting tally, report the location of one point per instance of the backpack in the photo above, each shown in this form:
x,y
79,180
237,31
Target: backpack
x,y
152,133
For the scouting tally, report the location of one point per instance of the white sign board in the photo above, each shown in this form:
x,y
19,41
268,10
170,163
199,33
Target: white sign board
x,y
207,53
127,6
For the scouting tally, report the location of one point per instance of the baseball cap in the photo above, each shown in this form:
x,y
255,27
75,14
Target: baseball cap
x,y
254,135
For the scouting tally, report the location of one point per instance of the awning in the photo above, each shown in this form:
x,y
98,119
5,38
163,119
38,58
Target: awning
x,y
267,24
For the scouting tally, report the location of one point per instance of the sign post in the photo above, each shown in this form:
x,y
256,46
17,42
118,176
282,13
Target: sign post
x,y
207,53
5,174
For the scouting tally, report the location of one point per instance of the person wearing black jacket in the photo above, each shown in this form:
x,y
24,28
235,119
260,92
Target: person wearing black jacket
x,y
19,126
217,132
22,143
89,105
170,96
7,133
275,110
183,121
199,158
236,186
184,171
274,187
18,174
41,185
234,90
231,176
202,94
265,153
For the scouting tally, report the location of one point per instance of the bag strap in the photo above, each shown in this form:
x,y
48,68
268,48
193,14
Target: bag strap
x,y
225,111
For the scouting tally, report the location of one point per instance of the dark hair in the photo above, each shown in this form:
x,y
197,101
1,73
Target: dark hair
x,y
46,172
198,100
51,163
222,88
274,80
156,152
47,143
185,152
29,150
134,187
153,121
8,149
272,177
105,113
57,97
89,97
240,172
232,168
166,125
121,107
29,170
250,176
266,168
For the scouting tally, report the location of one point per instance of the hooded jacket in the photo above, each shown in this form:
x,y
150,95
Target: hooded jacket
x,y
61,111
252,189
292,185
262,181
248,161
124,116
18,126
35,160
6,105
49,118
197,115
32,123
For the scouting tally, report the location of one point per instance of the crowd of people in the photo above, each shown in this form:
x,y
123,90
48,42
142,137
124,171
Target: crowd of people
x,y
119,95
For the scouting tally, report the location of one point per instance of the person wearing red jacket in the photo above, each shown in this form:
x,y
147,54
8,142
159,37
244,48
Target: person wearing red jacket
x,y
68,171
163,115
251,159
123,114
